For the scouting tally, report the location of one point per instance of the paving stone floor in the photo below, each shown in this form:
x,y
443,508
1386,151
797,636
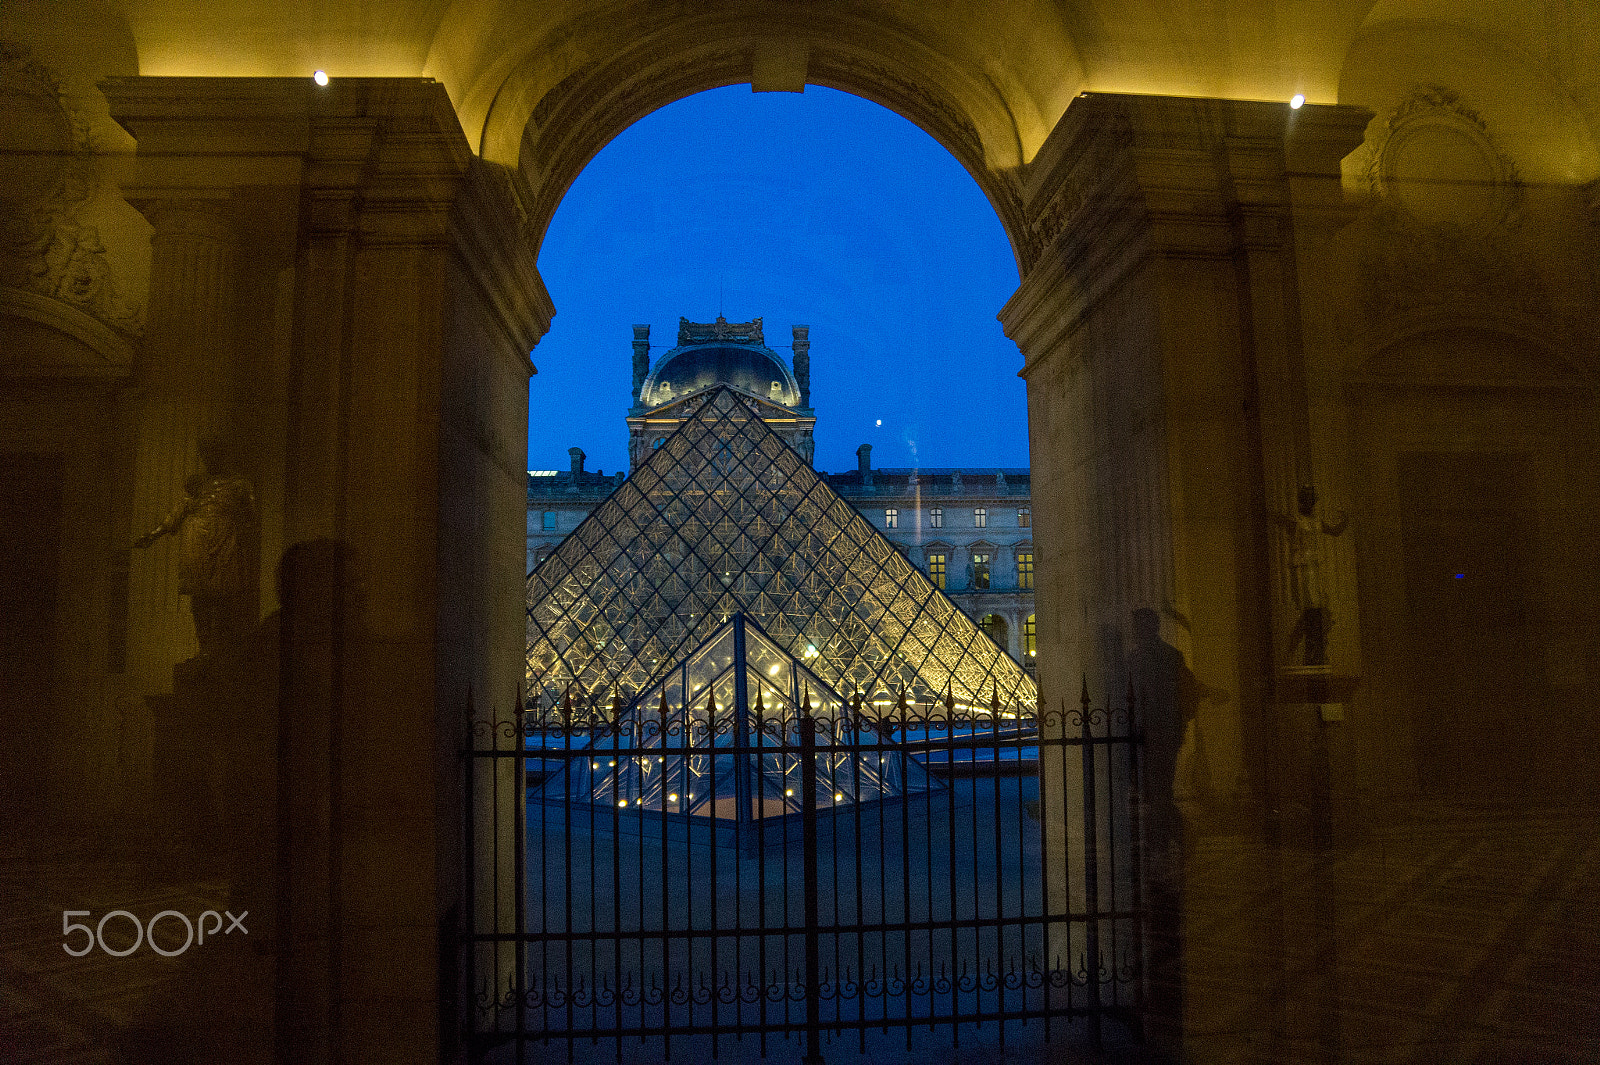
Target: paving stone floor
x,y
1462,935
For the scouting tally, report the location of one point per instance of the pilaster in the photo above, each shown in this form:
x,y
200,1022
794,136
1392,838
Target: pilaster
x,y
184,387
1169,424
369,343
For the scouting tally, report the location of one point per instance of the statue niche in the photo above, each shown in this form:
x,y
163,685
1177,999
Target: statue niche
x,y
218,529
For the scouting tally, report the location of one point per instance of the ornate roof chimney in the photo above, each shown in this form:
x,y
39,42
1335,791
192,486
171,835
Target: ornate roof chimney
x,y
641,359
802,362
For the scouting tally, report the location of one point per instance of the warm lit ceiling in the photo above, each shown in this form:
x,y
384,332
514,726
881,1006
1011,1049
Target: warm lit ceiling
x,y
1006,67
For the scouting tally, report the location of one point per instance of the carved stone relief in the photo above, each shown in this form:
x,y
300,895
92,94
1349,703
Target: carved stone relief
x,y
47,246
1075,189
1446,229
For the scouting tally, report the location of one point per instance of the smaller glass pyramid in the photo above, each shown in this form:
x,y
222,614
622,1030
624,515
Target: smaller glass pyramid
x,y
719,736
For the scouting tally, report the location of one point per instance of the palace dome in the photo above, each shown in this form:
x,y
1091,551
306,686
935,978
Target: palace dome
x,y
723,353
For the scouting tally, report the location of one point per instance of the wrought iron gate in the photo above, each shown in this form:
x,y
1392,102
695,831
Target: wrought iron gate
x,y
736,876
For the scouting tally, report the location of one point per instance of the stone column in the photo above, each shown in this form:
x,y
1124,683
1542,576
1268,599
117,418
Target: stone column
x,y
184,380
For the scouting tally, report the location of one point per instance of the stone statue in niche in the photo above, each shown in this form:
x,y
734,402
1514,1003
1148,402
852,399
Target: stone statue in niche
x,y
218,531
1306,532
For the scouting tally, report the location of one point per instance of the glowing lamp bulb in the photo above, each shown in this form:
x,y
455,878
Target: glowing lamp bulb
x,y
1297,100
320,77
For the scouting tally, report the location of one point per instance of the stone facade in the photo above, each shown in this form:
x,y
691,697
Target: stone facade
x,y
971,530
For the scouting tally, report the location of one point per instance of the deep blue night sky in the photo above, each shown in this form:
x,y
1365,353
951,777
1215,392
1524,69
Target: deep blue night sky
x,y
817,208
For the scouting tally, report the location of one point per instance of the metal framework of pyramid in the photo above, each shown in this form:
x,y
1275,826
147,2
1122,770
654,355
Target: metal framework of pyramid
x,y
725,519
719,736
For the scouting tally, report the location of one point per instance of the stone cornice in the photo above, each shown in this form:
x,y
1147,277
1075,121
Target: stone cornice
x,y
1124,177
384,157
499,256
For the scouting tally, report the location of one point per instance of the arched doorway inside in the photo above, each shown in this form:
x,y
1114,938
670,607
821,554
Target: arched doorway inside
x,y
997,742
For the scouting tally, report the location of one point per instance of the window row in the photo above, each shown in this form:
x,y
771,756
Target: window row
x,y
980,517
979,573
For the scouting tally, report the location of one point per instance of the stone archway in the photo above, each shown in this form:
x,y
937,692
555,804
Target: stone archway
x,y
348,276
405,265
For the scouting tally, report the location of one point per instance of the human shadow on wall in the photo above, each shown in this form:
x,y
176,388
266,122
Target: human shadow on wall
x,y
247,998
1176,787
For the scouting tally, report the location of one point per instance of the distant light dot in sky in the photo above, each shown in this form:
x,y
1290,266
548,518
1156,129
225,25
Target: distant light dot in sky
x,y
820,209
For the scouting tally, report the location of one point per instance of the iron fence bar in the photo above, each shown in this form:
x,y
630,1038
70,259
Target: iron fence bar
x,y
861,939
469,845
950,864
666,854
1091,866
639,865
977,880
519,823
616,862
1045,866
544,905
561,754
566,715
1020,828
927,858
999,860
711,747
1136,836
1111,840
829,929
761,869
799,1028
794,704
905,855
808,790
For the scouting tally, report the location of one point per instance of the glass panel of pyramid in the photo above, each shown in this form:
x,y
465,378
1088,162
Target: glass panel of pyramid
x,y
724,518
695,744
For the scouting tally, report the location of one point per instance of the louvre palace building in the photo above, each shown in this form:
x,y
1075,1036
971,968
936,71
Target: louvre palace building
x,y
1308,315
968,529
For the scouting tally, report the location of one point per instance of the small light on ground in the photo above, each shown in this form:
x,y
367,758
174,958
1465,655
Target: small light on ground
x,y
1297,100
320,77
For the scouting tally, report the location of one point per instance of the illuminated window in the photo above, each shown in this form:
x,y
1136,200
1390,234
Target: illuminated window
x,y
549,520
891,518
936,570
980,570
936,518
1024,517
1029,648
1025,570
980,517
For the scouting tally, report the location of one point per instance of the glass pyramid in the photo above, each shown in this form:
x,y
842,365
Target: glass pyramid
x,y
724,519
719,736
